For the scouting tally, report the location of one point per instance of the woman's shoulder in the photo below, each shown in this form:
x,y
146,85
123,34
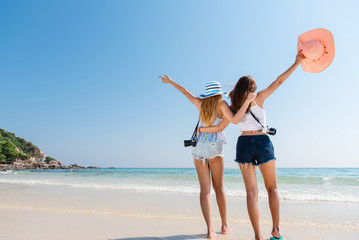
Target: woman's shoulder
x,y
223,103
220,114
259,100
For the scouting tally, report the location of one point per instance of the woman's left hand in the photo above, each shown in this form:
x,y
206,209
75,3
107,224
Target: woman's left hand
x,y
299,58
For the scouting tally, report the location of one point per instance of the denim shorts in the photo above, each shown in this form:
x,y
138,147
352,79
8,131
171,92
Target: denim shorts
x,y
207,150
254,149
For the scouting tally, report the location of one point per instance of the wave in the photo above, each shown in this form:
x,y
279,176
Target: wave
x,y
322,176
319,180
231,191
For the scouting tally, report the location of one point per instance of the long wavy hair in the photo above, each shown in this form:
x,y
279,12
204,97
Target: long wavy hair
x,y
209,108
239,94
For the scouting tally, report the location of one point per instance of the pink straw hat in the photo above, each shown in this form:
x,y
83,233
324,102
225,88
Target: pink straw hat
x,y
318,49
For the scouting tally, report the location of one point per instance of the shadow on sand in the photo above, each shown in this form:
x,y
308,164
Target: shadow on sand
x,y
177,237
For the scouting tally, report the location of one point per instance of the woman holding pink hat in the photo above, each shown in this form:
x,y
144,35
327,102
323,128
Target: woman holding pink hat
x,y
254,148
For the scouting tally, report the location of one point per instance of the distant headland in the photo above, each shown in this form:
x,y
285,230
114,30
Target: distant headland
x,y
17,154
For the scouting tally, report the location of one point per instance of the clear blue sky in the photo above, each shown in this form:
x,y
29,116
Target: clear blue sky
x,y
80,78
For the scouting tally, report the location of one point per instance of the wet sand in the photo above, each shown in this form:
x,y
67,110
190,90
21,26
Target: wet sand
x,y
48,212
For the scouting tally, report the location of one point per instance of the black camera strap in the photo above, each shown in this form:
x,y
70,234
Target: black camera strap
x,y
256,118
194,135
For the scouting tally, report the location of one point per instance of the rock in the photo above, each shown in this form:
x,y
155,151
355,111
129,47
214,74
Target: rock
x,y
75,166
53,163
92,167
38,153
31,163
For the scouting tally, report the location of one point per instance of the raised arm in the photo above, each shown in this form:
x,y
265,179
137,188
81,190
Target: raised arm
x,y
262,95
236,118
195,100
213,129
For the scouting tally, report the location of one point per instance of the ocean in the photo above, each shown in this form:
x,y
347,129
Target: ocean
x,y
339,185
320,203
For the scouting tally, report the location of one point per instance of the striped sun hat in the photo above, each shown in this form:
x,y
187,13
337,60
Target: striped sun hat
x,y
212,89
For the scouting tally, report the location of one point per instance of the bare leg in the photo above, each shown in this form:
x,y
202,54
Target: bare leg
x,y
270,181
217,170
250,181
205,184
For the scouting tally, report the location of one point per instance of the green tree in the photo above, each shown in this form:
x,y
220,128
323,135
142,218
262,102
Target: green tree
x,y
49,159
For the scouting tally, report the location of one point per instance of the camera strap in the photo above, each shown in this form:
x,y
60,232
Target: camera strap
x,y
256,118
194,135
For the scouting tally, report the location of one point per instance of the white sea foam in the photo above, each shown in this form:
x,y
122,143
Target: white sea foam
x,y
231,190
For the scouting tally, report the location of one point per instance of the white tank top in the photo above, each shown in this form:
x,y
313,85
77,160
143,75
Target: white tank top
x,y
248,123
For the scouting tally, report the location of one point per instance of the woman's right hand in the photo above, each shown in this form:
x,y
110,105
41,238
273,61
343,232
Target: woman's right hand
x,y
196,101
166,79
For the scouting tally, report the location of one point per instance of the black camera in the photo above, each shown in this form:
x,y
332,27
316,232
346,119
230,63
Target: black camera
x,y
267,130
271,131
193,141
188,143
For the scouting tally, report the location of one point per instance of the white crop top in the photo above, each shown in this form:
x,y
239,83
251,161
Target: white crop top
x,y
248,123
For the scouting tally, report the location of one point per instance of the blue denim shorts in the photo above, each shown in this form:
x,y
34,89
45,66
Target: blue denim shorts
x,y
254,149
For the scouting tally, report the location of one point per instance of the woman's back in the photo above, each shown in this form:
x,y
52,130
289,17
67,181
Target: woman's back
x,y
212,137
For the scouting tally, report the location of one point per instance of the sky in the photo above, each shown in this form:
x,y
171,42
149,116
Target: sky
x,y
79,79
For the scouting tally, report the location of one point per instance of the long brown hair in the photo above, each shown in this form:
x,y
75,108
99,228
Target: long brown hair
x,y
209,108
238,95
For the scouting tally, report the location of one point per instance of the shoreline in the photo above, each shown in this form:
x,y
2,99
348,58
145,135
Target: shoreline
x,y
145,204
44,166
130,215
323,185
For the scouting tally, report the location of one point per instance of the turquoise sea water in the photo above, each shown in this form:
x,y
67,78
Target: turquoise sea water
x,y
295,184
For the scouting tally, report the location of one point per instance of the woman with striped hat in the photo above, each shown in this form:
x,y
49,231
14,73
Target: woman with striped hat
x,y
208,152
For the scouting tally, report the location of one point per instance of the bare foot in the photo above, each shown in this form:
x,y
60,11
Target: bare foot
x,y
226,229
275,233
258,237
211,234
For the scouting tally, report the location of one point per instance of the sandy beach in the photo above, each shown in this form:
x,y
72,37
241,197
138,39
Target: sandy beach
x,y
62,212
103,103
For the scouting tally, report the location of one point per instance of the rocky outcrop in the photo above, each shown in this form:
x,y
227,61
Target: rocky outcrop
x,y
38,165
17,154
